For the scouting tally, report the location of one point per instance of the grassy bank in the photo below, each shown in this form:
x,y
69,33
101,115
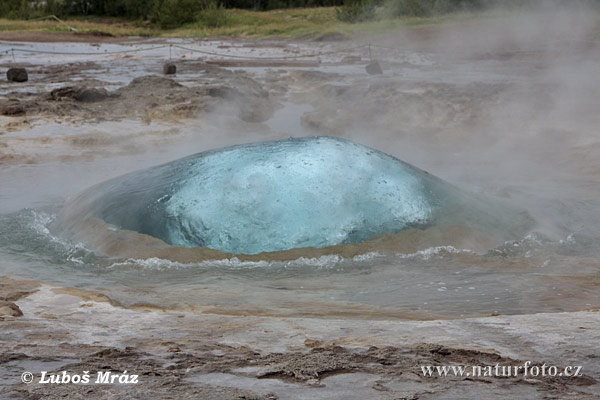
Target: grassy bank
x,y
288,23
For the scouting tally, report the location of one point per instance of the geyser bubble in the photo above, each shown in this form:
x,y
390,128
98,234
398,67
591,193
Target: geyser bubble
x,y
311,192
278,195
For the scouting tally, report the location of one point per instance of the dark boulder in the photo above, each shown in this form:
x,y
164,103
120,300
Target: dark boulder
x,y
169,69
374,68
17,75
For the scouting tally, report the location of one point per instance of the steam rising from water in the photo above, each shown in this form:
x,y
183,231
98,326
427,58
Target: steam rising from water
x,y
522,125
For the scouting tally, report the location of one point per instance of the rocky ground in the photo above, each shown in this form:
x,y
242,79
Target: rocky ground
x,y
148,97
180,354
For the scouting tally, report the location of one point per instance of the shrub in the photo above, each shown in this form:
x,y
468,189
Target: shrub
x,y
423,8
356,11
23,9
172,13
213,15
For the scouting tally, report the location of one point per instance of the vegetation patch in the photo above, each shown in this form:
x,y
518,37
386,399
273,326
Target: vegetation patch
x,y
250,18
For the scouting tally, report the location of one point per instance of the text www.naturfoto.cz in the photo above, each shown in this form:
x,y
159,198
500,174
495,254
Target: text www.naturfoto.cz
x,y
525,370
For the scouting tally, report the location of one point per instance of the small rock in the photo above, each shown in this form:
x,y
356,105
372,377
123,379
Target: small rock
x,y
374,68
17,75
169,69
10,309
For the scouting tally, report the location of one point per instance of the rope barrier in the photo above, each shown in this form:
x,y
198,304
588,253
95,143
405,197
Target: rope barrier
x,y
171,46
86,53
385,47
270,58
369,46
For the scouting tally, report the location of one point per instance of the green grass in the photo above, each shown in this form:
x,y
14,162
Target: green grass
x,y
288,23
110,26
277,23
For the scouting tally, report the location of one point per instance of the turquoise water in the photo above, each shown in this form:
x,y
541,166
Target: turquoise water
x,y
304,192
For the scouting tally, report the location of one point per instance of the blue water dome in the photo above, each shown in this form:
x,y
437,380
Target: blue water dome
x,y
278,195
308,192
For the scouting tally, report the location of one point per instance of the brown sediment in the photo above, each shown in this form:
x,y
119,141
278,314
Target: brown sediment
x,y
323,310
151,307
95,296
86,295
12,290
15,125
589,281
567,292
9,309
15,289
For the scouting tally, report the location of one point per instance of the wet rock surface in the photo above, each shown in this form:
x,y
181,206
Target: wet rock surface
x,y
186,354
